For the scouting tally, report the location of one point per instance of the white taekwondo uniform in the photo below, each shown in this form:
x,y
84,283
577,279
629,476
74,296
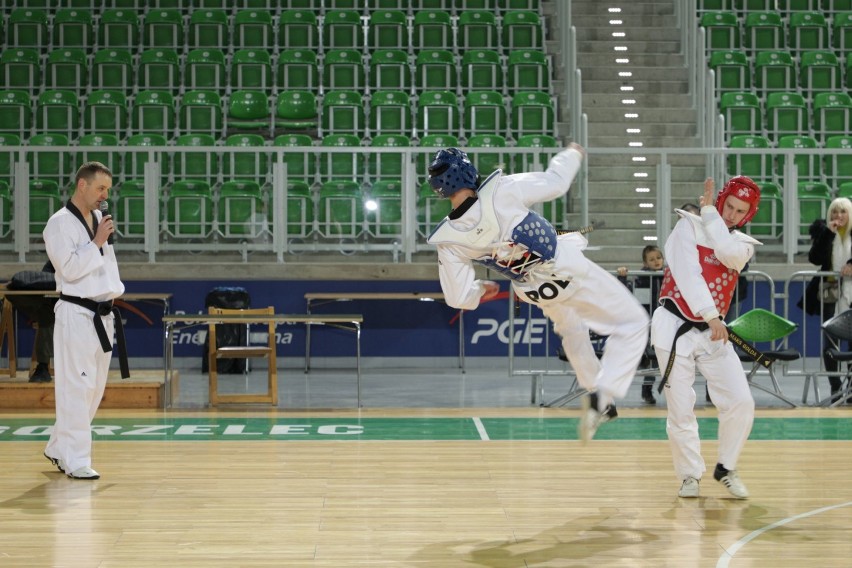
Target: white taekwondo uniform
x,y
575,293
703,262
79,360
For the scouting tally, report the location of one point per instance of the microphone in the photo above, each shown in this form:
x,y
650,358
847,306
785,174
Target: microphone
x,y
105,212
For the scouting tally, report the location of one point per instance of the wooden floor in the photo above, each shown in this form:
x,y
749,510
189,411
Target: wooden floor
x,y
342,503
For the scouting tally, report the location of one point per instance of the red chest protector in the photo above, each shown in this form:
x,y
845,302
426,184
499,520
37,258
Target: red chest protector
x,y
721,280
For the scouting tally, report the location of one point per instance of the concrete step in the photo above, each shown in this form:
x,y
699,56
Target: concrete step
x,y
647,129
676,160
646,115
614,45
593,57
584,22
670,101
648,142
638,84
639,73
596,7
624,174
602,32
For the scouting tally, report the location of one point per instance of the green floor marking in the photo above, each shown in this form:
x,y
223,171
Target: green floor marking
x,y
287,429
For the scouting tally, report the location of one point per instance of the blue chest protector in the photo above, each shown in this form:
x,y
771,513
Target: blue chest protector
x,y
533,242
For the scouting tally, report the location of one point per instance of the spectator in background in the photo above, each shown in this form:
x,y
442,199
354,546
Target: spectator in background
x,y
831,250
652,261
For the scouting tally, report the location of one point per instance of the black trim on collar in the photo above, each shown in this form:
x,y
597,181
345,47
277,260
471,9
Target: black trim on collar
x,y
462,209
76,212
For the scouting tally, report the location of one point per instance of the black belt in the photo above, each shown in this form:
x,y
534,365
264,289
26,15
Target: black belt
x,y
101,309
685,326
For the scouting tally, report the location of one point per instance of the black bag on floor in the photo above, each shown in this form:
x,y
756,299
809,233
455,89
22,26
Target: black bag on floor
x,y
231,298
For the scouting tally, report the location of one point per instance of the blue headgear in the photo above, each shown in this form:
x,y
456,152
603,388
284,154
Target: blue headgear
x,y
451,171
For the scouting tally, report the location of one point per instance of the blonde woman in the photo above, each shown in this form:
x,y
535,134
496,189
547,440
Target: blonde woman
x,y
831,250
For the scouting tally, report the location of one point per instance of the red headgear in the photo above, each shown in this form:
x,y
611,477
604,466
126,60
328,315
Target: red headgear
x,y
744,188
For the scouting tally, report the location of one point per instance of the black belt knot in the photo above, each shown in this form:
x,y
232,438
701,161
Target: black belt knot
x,y
102,309
685,326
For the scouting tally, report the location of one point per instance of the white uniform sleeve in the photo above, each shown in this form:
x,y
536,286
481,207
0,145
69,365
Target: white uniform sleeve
x,y
458,280
72,257
731,251
682,259
554,182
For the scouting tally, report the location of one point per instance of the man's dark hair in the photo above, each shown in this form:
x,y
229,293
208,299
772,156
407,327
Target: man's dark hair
x,y
89,170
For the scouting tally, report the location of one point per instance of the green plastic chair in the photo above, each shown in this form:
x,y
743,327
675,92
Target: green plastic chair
x,y
300,210
251,69
484,113
298,70
28,28
763,31
385,166
481,70
755,166
209,28
774,72
20,69
16,116
58,112
129,211
435,70
786,113
807,164
205,70
201,165
45,200
384,216
832,114
251,166
841,38
477,29
298,29
838,167
733,72
722,30
431,29
253,29
8,158
522,30
189,210
527,162
341,209
437,113
154,113
389,70
762,326
387,29
135,161
343,113
113,69
819,71
201,113
119,28
488,162
296,110
301,166
343,70
159,70
742,113
163,28
532,113
341,166
73,28
390,113
807,31
111,159
814,199
527,71
67,69
249,110
342,30
240,210
50,165
769,219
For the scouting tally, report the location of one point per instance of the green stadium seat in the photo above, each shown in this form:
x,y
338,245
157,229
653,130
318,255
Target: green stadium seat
x,y
722,30
819,71
487,162
713,5
435,70
814,199
298,71
522,30
527,162
845,190
202,164
384,209
129,210
481,71
58,112
343,70
387,166
240,210
835,7
527,71
298,29
73,28
20,69
786,113
52,165
205,70
300,210
477,29
16,116
208,28
390,113
45,200
341,165
67,69
774,72
154,113
755,166
158,69
134,162
342,30
787,7
113,69
106,113
252,166
301,166
832,114
119,29
162,28
807,164
343,113
28,28
5,210
201,113
837,167
253,29
387,29
841,37
769,219
484,113
437,113
87,153
763,31
341,209
296,111
431,29
431,210
8,158
389,70
189,210
251,69
249,110
532,113
443,5
742,113
807,31
732,69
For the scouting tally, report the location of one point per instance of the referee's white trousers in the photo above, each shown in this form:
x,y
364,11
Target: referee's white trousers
x,y
81,369
598,301
726,382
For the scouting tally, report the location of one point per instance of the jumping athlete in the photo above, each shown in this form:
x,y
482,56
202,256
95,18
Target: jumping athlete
x,y
705,256
491,224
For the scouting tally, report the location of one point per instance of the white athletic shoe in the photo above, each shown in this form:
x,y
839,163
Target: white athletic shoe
x,y
55,461
591,418
689,488
84,472
732,483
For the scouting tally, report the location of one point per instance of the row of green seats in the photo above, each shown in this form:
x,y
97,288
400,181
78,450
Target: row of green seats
x,y
767,30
